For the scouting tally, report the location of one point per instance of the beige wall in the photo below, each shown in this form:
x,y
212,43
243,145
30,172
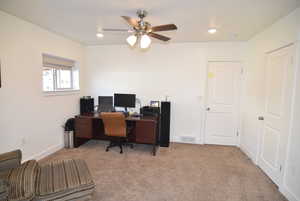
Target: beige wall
x,y
292,176
29,120
32,121
174,70
281,33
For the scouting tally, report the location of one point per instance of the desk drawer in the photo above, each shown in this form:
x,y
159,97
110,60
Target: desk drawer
x,y
145,132
83,127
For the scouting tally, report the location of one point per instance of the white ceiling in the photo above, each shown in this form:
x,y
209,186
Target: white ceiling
x,y
236,20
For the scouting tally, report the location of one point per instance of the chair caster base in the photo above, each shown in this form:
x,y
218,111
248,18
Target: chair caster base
x,y
119,144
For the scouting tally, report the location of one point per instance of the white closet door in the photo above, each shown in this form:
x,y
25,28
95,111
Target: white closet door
x,y
279,87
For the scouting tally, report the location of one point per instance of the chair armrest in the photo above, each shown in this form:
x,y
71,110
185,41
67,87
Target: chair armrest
x,y
3,189
10,160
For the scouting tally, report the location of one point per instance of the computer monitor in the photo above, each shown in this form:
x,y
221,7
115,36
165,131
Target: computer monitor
x,y
105,104
124,100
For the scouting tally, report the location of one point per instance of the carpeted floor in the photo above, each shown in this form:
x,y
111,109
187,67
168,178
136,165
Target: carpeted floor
x,y
182,172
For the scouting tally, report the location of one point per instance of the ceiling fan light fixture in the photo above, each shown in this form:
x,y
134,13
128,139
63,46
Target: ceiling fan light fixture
x,y
212,30
131,40
145,41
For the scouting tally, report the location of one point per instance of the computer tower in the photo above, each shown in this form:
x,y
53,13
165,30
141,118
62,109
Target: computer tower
x,y
150,111
86,105
165,118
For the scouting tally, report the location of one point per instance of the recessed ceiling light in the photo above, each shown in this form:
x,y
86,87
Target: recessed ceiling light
x,y
212,30
100,35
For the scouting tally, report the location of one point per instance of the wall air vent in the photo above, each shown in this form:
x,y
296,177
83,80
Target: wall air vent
x,y
188,139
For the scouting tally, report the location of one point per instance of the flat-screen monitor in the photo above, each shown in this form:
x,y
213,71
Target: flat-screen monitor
x,y
124,100
105,103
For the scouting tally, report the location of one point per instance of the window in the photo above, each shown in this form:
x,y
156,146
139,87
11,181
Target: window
x,y
64,79
59,74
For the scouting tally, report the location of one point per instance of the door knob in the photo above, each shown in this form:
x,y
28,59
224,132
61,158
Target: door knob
x,y
261,118
208,109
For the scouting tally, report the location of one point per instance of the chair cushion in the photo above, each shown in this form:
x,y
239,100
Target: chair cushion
x,y
64,180
22,181
114,124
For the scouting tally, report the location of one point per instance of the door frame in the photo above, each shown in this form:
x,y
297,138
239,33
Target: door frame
x,y
205,99
296,50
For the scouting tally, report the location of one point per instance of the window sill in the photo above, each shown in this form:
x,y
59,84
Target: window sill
x,y
61,93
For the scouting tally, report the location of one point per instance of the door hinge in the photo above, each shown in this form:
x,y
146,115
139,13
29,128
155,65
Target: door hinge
x,y
280,168
237,134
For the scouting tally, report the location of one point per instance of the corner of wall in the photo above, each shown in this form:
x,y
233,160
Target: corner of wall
x,y
250,154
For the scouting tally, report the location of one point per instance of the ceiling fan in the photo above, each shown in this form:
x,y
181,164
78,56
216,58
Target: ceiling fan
x,y
142,30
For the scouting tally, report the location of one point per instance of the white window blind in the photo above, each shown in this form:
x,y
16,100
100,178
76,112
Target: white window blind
x,y
51,61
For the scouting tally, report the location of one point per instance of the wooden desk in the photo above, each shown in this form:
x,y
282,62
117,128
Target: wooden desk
x,y
90,126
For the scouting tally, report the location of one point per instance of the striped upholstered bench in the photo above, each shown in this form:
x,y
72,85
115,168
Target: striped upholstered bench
x,y
64,180
59,180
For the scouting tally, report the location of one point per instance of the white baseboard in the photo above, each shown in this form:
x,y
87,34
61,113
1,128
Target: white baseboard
x,y
50,150
288,194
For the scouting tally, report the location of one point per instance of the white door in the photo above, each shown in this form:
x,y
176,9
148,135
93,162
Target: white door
x,y
279,86
223,85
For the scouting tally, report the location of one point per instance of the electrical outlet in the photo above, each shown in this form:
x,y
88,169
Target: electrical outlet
x,y
294,171
23,141
199,98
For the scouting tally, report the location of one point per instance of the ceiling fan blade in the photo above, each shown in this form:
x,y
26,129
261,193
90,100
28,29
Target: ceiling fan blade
x,y
158,36
131,21
119,30
166,27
